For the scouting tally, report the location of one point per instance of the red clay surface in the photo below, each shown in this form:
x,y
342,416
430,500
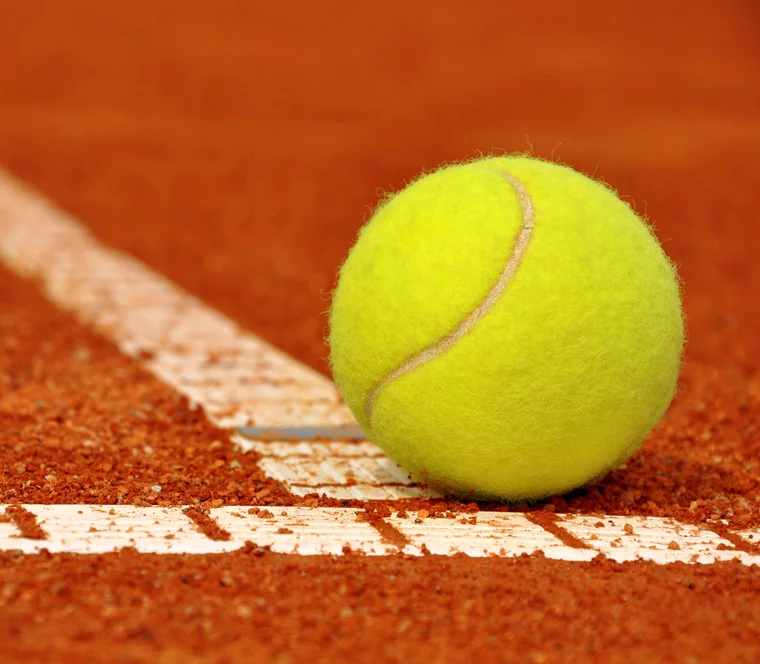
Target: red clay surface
x,y
252,606
236,148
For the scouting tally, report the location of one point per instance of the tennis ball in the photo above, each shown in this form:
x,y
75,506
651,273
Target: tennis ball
x,y
506,328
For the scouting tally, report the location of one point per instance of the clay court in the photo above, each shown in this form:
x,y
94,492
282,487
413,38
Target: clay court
x,y
180,480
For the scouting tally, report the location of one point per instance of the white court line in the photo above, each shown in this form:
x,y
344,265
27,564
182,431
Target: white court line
x,y
637,537
238,379
341,470
337,531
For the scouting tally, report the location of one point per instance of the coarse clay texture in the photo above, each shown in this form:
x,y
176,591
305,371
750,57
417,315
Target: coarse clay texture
x,y
236,149
83,423
207,609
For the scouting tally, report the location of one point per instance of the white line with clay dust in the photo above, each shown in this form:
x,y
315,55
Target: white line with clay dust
x,y
242,382
339,531
238,379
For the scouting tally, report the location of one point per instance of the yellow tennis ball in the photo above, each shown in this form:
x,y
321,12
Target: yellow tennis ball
x,y
506,328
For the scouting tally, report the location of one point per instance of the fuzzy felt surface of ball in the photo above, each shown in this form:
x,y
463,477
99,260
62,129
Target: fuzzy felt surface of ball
x,y
506,328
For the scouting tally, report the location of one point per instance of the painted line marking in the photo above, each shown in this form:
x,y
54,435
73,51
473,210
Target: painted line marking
x,y
630,538
304,531
100,529
337,531
752,537
238,379
492,534
353,470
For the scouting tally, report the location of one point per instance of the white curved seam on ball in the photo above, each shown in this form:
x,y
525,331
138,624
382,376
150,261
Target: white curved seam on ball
x,y
465,327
